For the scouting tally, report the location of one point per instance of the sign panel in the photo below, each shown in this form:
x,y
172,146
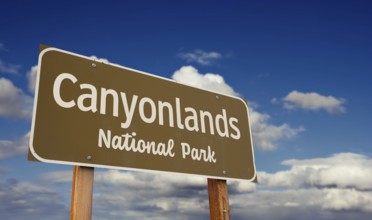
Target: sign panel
x,y
91,113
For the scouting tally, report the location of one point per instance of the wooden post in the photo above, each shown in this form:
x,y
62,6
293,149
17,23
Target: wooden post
x,y
82,193
218,200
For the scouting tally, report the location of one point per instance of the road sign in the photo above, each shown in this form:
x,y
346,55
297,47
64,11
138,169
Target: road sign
x,y
91,113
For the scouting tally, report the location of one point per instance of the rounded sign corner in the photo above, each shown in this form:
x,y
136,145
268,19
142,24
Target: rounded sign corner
x,y
254,178
46,50
33,152
243,100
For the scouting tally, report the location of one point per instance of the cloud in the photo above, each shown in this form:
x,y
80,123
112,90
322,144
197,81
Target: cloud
x,y
347,199
103,60
239,187
275,204
31,76
313,101
310,188
58,177
13,148
201,57
21,201
190,76
343,170
265,135
132,179
9,68
143,195
147,195
310,204
13,102
338,186
152,195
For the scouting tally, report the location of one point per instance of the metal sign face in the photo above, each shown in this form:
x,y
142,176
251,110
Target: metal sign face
x,y
91,113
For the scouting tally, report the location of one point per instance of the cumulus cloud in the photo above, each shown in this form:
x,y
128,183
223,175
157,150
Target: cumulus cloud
x,y
10,148
31,76
313,101
143,195
13,102
103,60
238,187
9,68
201,57
140,179
310,188
313,188
343,170
132,179
57,177
147,195
265,135
310,204
347,199
26,200
190,76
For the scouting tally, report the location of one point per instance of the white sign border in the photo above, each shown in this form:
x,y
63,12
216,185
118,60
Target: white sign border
x,y
33,152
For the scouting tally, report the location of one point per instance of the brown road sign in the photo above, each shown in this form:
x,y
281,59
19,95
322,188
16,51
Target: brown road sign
x,y
91,113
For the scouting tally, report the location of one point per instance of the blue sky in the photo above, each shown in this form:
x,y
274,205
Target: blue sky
x,y
304,66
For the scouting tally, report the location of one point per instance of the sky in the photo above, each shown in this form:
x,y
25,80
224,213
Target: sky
x,y
304,67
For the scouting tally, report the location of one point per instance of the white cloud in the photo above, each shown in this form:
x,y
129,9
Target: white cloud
x,y
103,60
343,170
133,179
265,135
9,68
308,203
143,195
121,194
31,76
190,76
347,199
313,101
200,56
306,189
238,187
57,177
150,196
317,188
25,200
13,148
13,102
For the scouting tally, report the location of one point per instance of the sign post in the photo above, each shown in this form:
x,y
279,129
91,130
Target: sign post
x,y
219,208
82,193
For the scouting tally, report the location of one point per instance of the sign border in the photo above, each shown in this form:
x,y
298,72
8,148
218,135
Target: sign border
x,y
37,157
